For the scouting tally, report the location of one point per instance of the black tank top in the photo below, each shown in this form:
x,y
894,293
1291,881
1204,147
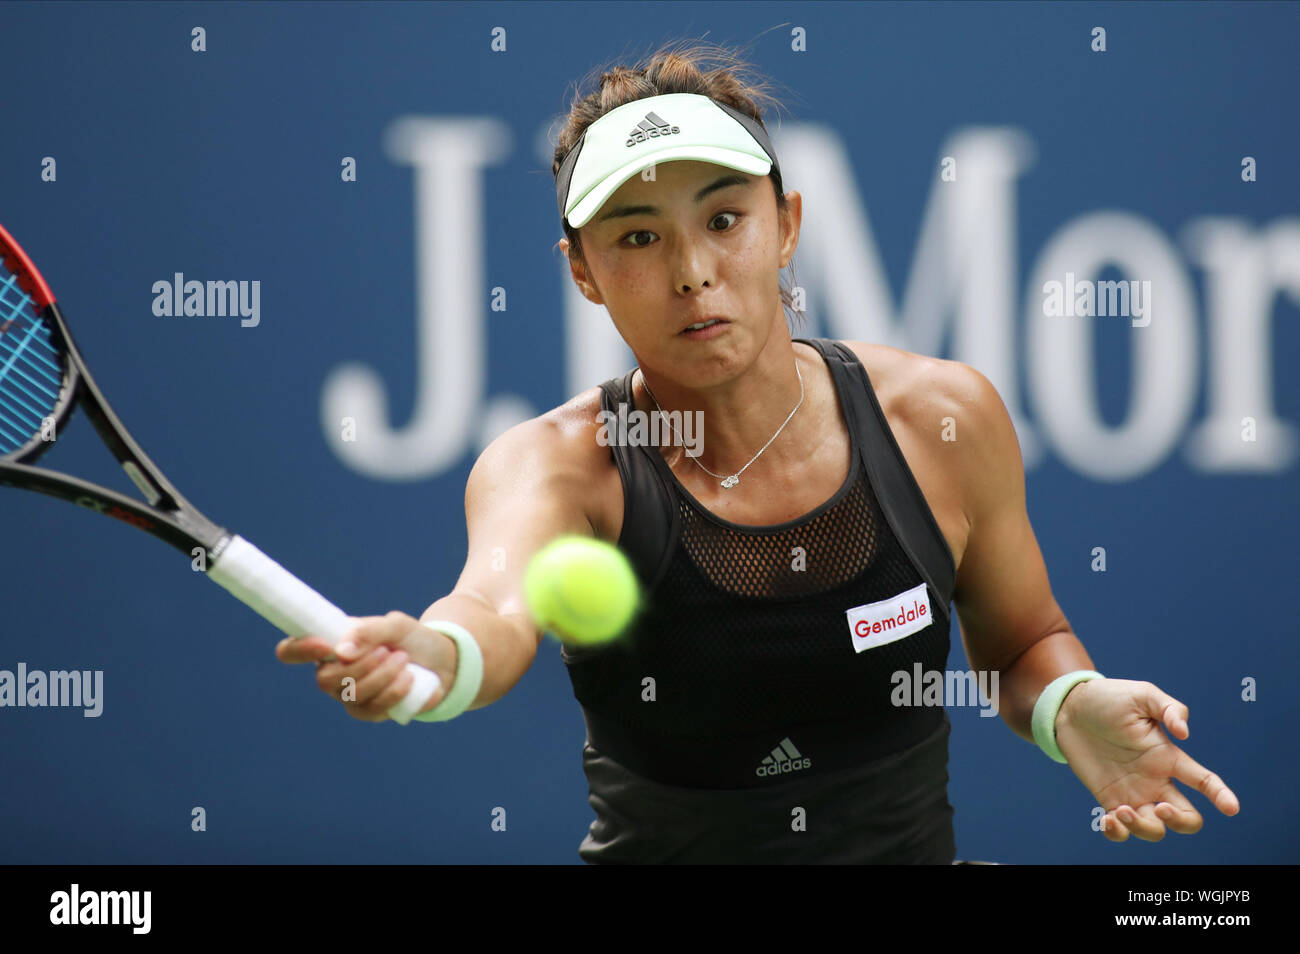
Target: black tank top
x,y
746,716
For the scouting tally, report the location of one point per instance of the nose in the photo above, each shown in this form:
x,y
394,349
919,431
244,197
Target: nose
x,y
694,266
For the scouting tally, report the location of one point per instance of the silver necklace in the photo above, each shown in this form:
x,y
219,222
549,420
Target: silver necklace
x,y
728,482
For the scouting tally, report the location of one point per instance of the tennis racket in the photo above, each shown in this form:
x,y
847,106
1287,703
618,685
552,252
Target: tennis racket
x,y
43,378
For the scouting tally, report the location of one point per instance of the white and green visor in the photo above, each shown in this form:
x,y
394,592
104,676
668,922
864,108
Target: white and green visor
x,y
657,129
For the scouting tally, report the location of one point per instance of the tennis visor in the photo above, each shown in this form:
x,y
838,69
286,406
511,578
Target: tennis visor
x,y
657,129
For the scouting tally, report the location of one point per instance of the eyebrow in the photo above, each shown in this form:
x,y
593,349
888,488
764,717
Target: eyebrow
x,y
726,181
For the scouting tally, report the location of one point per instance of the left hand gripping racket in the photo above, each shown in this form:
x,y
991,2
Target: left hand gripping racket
x,y
43,378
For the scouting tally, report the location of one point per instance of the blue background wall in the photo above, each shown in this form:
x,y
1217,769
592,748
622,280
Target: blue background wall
x,y
225,164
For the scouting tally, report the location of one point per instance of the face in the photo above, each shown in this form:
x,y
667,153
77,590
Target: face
x,y
698,241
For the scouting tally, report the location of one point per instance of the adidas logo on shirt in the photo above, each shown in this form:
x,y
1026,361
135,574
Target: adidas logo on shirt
x,y
652,127
784,758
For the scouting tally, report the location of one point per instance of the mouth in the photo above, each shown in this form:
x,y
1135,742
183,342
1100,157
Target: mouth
x,y
701,325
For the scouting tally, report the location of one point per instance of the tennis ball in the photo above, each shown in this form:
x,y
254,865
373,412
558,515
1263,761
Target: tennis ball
x,y
581,589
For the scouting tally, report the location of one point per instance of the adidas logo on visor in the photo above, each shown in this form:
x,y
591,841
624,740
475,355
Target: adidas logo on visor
x,y
652,127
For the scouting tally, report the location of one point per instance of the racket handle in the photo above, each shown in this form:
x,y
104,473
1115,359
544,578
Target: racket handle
x,y
294,607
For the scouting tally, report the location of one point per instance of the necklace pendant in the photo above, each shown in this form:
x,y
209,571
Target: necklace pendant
x,y
730,482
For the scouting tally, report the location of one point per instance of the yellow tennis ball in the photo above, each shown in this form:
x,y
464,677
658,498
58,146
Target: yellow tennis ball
x,y
581,589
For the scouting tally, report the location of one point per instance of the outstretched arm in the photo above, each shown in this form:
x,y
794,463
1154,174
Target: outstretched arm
x,y
529,486
1111,731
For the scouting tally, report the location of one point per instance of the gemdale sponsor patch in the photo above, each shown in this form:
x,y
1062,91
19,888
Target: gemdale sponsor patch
x,y
874,624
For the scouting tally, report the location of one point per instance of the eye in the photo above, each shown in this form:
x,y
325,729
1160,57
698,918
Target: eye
x,y
638,232
734,215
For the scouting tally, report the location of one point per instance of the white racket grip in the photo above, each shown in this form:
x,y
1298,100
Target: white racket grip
x,y
294,607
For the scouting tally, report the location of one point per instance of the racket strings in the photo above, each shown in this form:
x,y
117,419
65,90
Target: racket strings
x,y
31,367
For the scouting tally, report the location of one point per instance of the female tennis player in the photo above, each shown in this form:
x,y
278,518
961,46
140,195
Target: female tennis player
x,y
805,557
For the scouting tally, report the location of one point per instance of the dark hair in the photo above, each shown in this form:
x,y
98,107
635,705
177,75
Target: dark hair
x,y
678,67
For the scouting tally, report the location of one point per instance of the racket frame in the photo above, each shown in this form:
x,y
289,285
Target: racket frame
x,y
249,575
168,515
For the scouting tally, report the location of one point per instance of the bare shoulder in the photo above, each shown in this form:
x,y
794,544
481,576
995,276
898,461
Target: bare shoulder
x,y
954,430
921,392
556,455
915,385
562,434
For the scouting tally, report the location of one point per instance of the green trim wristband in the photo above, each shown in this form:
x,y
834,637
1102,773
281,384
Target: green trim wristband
x,y
1048,705
469,672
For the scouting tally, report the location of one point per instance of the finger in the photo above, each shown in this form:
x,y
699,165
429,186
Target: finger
x,y
1190,772
1142,821
366,633
371,631
1113,828
1175,720
330,676
1183,819
379,678
393,693
1166,710
308,649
